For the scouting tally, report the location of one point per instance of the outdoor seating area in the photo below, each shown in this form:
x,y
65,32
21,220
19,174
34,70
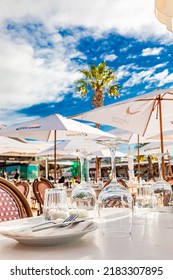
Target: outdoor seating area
x,y
102,206
86,136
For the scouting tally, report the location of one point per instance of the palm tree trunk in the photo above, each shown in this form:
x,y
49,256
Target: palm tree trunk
x,y
97,100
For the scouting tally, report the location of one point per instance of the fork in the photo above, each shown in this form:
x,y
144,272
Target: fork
x,y
65,223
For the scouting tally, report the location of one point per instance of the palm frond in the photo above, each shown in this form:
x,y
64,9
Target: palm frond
x,y
113,91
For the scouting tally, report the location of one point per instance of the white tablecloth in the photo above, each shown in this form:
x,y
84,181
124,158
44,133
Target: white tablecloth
x,y
152,238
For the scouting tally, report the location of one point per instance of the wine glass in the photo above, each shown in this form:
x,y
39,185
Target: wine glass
x,y
83,197
162,190
115,203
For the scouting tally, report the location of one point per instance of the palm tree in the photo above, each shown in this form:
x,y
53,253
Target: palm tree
x,y
98,79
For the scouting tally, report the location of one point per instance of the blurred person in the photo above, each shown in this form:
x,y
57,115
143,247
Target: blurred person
x,y
17,175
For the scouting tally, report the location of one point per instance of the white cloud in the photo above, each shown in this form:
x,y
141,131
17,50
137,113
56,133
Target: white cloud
x,y
110,57
140,75
125,70
125,17
32,75
151,51
26,80
163,77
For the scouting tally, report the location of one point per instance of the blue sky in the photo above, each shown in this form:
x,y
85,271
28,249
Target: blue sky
x,y
44,44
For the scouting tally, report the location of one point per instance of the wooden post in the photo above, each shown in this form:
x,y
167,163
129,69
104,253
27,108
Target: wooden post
x,y
161,135
139,167
170,168
55,156
97,169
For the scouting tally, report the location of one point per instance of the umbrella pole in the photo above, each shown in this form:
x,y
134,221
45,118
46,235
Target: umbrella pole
x,y
170,168
46,167
55,156
97,168
161,136
139,168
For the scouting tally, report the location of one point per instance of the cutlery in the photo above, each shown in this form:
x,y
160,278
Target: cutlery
x,y
49,224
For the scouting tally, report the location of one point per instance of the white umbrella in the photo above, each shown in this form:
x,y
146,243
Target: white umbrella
x,y
164,12
106,153
80,148
10,146
71,146
131,138
146,115
52,128
167,136
154,148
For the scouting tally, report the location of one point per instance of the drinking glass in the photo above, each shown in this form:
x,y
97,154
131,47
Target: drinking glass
x,y
162,189
144,196
83,197
115,202
55,204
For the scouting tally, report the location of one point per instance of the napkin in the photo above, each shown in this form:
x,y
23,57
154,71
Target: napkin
x,y
73,228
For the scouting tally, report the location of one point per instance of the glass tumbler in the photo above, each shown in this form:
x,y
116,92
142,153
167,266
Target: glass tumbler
x,y
115,208
145,196
83,200
55,204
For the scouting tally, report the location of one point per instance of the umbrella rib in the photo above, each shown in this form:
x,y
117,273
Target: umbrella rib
x,y
48,135
150,116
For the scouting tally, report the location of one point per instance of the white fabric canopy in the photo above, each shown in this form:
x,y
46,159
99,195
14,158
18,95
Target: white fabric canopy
x,y
83,146
164,12
167,136
70,146
154,148
10,146
138,115
52,128
130,137
43,129
146,115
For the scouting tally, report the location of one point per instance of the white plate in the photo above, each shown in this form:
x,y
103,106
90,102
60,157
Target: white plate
x,y
43,240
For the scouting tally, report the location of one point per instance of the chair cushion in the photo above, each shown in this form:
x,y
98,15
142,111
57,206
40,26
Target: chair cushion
x,y
9,209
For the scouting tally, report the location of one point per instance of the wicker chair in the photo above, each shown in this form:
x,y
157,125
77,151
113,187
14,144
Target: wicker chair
x,y
39,186
13,204
23,187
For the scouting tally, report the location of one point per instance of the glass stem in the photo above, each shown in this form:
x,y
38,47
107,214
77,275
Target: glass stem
x,y
160,168
113,164
82,169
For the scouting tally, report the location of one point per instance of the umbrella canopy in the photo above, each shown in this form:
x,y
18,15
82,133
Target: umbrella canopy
x,y
146,115
52,128
106,153
129,137
10,146
132,138
43,129
139,115
167,136
164,12
154,148
81,148
70,146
